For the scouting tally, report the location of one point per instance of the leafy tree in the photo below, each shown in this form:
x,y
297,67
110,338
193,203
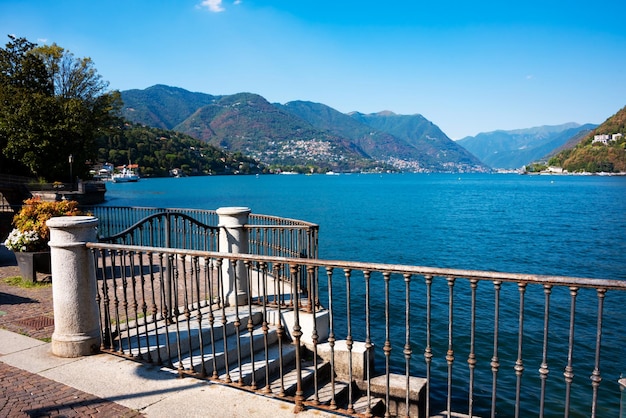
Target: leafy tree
x,y
52,105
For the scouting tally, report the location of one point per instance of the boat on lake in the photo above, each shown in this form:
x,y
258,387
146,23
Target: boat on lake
x,y
126,175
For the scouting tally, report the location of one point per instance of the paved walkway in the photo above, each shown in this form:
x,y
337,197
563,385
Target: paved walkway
x,y
34,383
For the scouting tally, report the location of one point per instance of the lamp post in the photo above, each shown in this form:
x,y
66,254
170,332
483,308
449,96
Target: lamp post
x,y
71,160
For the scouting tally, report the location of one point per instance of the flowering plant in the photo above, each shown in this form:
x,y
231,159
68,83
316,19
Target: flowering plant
x,y
19,241
31,232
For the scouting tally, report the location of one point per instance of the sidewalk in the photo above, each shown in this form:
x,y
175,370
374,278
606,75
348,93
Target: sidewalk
x,y
34,383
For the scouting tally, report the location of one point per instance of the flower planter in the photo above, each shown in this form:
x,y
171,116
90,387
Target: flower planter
x,y
32,262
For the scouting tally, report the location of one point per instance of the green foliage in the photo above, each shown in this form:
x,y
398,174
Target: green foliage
x,y
26,284
162,106
158,151
52,105
35,213
594,158
536,168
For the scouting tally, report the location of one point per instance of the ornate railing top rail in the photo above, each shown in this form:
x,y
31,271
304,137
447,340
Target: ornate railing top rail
x,y
578,282
114,219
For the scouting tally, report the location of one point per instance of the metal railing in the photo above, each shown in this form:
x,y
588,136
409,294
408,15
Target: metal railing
x,y
269,235
198,229
487,343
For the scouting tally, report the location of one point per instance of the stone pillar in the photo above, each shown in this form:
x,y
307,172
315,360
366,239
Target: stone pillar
x,y
76,320
234,239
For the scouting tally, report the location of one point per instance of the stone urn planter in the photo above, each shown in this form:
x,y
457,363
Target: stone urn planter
x,y
32,262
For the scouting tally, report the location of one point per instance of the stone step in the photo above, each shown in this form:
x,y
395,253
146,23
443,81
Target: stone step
x,y
213,357
244,374
158,341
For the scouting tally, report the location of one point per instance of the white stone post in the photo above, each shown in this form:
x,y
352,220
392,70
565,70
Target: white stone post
x,y
76,321
234,239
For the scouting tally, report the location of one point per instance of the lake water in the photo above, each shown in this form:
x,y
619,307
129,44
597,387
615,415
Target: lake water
x,y
561,225
554,225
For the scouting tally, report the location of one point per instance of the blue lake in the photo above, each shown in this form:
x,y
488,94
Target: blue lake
x,y
561,225
553,225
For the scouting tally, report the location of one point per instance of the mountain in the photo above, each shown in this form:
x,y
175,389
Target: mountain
x,y
437,152
516,148
388,143
601,150
299,133
162,106
248,123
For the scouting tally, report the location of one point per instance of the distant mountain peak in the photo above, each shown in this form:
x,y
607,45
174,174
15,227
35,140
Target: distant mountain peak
x,y
515,148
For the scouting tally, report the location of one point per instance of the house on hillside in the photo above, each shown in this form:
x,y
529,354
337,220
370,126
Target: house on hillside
x,y
604,139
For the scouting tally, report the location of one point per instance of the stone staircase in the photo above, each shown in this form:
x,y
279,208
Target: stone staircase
x,y
258,356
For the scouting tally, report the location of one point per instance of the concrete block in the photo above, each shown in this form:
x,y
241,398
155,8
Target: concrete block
x,y
342,359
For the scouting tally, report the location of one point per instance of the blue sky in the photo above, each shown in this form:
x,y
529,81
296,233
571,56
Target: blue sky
x,y
469,67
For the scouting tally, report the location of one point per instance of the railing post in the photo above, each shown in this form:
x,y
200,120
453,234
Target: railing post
x,y
233,238
76,323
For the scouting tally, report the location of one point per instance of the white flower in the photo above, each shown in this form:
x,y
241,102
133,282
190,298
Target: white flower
x,y
22,241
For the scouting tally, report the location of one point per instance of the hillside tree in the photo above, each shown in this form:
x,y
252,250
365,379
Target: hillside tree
x,y
53,105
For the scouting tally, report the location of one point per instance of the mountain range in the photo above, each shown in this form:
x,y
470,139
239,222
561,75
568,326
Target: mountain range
x,y
300,133
516,148
312,136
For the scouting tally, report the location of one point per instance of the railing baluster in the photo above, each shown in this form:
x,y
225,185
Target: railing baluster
x,y
106,302
519,363
407,343
250,324
144,306
544,370
450,352
311,271
237,322
211,300
198,310
280,332
368,341
428,353
176,286
569,369
495,361
596,377
227,378
387,345
122,257
164,280
154,310
133,279
349,341
297,333
99,301
331,337
263,272
471,359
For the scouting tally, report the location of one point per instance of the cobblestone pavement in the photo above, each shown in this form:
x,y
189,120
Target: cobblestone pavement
x,y
28,311
24,394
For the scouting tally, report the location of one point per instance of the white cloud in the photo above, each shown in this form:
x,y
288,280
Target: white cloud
x,y
213,5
